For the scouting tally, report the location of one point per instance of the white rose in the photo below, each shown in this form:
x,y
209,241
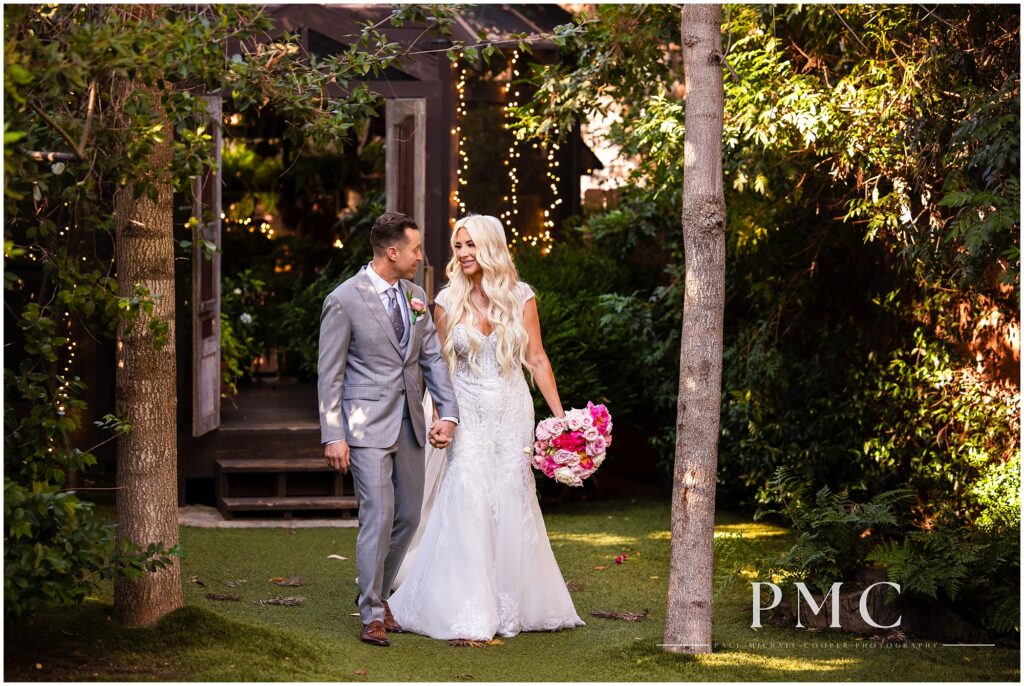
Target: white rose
x,y
245,318
556,426
588,420
563,475
574,421
591,435
598,459
237,291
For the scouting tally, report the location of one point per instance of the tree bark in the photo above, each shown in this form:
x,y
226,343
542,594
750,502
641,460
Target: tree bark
x,y
147,461
689,617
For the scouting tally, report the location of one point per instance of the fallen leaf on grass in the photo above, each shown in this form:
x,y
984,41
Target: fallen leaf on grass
x,y
600,568
574,585
290,581
625,616
466,643
892,637
280,600
336,557
197,581
236,583
223,596
360,672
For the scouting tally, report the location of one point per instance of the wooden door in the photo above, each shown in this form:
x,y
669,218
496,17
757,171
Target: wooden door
x,y
206,287
406,164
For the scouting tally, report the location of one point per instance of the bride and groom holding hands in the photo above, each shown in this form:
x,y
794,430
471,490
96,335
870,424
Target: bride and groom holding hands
x,y
483,565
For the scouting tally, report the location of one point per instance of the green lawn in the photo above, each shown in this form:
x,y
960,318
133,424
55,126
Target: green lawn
x,y
242,641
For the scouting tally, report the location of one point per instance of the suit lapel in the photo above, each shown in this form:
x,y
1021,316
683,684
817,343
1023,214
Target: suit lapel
x,y
372,300
413,328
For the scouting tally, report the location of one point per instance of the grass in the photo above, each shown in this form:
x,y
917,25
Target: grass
x,y
243,641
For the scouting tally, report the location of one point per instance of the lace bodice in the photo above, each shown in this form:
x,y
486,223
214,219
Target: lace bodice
x,y
476,352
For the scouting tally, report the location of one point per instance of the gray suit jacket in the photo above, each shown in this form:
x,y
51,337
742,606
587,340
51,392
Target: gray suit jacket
x,y
364,376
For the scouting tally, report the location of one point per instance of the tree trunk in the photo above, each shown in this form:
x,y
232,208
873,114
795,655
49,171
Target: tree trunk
x,y
147,463
689,615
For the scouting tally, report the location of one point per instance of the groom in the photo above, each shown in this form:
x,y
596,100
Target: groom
x,y
378,345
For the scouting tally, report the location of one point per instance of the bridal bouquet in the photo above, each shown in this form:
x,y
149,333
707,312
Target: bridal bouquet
x,y
571,448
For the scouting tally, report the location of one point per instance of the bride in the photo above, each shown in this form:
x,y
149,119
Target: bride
x,y
483,565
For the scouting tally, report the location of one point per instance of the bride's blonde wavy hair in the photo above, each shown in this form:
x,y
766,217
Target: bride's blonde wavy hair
x,y
500,285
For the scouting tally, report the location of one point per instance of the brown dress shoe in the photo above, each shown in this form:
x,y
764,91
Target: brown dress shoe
x,y
375,634
390,625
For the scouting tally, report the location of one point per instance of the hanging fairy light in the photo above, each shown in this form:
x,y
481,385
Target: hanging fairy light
x,y
510,215
555,181
461,74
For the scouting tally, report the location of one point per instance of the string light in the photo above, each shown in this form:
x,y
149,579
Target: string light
x,y
460,115
246,224
549,214
510,215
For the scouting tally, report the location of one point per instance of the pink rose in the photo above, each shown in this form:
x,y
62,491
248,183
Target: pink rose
x,y
543,433
591,435
597,447
549,467
567,457
574,420
556,425
565,442
417,305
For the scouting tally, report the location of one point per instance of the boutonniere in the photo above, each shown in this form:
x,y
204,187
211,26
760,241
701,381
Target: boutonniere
x,y
416,306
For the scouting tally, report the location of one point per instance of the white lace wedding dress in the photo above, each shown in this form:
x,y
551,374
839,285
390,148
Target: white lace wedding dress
x,y
483,565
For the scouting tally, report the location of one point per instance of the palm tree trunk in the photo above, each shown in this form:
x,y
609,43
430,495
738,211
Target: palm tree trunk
x,y
147,500
689,616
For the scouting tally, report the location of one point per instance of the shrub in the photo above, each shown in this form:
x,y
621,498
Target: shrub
x,y
56,549
975,569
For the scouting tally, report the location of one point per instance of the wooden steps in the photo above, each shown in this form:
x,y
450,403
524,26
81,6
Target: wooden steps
x,y
283,486
324,502
265,464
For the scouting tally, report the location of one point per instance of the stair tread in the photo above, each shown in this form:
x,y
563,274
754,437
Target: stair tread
x,y
269,502
270,464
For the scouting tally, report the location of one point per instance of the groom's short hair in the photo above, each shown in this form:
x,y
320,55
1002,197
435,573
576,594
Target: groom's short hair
x,y
389,229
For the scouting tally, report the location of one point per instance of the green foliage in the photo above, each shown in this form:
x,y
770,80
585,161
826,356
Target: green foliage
x,y
975,568
298,317
834,532
242,299
301,317
56,550
941,430
585,352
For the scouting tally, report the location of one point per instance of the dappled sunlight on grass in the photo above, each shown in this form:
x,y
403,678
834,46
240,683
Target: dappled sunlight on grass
x,y
748,530
592,539
778,664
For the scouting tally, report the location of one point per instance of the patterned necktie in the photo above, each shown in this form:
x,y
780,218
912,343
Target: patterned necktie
x,y
397,320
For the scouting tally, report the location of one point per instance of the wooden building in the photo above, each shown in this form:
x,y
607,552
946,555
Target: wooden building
x,y
265,454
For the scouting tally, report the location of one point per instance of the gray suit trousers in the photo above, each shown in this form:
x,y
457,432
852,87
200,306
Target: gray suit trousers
x,y
389,485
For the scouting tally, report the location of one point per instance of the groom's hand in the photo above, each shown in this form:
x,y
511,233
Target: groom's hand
x,y
441,433
337,456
